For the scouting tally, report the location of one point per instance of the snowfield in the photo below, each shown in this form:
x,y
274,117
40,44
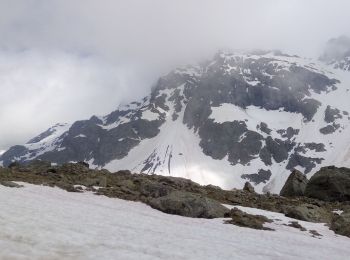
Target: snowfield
x,y
40,222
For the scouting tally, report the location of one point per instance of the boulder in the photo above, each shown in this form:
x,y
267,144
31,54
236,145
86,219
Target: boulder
x,y
189,205
330,184
341,224
10,184
248,187
154,189
295,185
309,212
85,164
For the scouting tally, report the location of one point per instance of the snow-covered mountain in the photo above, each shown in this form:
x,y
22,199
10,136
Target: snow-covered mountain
x,y
238,117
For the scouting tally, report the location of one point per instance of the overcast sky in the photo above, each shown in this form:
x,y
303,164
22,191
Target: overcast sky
x,y
69,59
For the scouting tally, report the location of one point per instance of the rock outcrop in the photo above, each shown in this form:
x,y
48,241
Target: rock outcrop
x,y
330,184
176,195
248,187
295,185
341,223
309,212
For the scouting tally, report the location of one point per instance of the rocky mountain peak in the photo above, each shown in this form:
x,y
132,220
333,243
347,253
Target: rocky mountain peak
x,y
238,117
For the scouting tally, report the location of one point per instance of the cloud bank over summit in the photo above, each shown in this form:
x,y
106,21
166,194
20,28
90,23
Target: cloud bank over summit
x,y
38,90
66,60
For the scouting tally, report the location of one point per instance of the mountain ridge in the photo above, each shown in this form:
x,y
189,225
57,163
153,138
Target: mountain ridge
x,y
235,118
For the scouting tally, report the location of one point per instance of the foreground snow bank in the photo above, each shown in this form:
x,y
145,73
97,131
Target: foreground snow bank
x,y
48,223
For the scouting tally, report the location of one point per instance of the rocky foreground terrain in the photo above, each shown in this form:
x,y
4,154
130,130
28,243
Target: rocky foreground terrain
x,y
325,198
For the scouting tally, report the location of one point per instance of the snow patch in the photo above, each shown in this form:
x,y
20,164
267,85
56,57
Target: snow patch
x,y
149,115
86,226
253,116
80,136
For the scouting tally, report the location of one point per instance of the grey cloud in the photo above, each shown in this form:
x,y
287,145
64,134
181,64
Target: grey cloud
x,y
336,48
160,29
63,60
37,91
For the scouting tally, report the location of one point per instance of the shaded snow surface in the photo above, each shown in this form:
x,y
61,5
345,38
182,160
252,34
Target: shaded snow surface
x,y
48,223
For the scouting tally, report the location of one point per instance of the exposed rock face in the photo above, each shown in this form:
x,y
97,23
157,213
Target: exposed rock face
x,y
243,219
331,114
13,165
341,223
261,177
295,185
329,129
189,205
330,184
248,187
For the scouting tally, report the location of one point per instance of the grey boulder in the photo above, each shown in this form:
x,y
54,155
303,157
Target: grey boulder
x,y
189,205
341,224
10,184
295,185
330,184
309,212
248,187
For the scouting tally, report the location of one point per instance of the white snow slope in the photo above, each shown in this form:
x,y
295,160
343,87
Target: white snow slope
x,y
48,223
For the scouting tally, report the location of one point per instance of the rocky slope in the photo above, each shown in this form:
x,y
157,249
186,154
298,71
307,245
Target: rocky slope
x,y
186,198
40,222
236,118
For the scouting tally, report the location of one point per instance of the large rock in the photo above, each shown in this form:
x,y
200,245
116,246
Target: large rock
x,y
295,185
154,189
341,224
10,184
309,212
330,184
189,205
